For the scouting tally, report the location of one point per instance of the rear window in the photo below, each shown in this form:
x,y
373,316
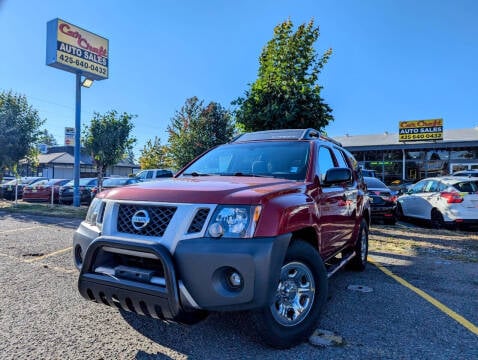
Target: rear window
x,y
374,183
467,186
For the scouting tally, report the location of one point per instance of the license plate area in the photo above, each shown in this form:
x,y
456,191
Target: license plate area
x,y
133,273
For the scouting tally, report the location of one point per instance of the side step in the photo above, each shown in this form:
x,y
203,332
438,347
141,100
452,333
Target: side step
x,y
333,268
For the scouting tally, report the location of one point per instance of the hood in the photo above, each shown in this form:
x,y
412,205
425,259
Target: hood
x,y
206,190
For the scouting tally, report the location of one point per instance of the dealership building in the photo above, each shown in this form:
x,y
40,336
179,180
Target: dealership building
x,y
402,156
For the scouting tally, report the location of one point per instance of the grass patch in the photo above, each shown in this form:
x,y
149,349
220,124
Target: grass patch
x,y
449,245
44,209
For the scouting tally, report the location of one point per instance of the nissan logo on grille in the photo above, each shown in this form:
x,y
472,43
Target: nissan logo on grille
x,y
140,219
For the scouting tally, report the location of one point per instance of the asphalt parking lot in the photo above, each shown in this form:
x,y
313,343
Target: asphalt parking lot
x,y
417,299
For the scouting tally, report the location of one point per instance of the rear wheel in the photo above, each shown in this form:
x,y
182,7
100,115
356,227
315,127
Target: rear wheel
x,y
301,293
359,262
437,220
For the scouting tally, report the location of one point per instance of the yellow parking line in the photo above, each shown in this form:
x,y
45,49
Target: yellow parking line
x,y
460,319
48,255
20,229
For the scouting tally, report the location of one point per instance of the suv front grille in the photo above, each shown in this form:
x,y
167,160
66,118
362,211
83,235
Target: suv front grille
x,y
198,221
159,218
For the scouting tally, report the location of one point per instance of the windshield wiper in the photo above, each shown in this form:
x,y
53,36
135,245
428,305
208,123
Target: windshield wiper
x,y
249,174
194,173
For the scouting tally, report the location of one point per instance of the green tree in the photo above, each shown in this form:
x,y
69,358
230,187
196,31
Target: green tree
x,y
47,138
286,93
154,155
196,128
108,139
19,129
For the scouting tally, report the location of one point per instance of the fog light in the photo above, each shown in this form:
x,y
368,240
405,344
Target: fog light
x,y
216,230
235,279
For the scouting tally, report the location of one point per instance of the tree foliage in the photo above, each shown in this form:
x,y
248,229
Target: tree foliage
x,y
47,138
19,129
286,93
155,155
196,128
108,139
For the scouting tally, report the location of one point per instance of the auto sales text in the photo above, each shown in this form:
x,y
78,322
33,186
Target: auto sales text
x,y
81,53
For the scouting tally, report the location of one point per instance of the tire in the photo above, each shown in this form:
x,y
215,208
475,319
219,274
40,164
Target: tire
x,y
436,219
359,262
292,315
399,212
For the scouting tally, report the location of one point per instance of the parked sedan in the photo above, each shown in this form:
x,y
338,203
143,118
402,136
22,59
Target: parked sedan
x,y
115,182
443,201
17,185
383,200
41,191
86,187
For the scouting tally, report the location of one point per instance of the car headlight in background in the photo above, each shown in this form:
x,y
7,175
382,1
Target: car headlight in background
x,y
234,221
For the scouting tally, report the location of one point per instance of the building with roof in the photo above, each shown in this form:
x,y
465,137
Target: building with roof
x,y
400,160
58,162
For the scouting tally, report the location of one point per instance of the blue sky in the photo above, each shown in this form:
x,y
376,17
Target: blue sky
x,y
392,60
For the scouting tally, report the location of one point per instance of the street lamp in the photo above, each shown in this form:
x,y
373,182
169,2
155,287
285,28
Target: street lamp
x,y
87,83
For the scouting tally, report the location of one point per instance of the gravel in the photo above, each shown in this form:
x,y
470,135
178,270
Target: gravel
x,y
42,315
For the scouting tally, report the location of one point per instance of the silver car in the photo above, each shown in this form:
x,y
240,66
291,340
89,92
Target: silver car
x,y
443,201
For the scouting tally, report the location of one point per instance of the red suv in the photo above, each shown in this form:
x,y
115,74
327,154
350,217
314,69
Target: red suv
x,y
257,224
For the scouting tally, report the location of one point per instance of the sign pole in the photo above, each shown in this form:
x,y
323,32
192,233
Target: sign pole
x,y
76,181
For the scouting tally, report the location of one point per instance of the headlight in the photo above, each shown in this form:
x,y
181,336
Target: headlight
x,y
234,221
94,216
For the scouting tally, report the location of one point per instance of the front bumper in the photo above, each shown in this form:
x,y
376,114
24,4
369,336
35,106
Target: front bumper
x,y
143,276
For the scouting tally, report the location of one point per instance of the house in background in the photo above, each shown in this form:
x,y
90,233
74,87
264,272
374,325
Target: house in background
x,y
58,162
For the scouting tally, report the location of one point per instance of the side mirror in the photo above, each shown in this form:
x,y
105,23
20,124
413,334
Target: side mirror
x,y
335,176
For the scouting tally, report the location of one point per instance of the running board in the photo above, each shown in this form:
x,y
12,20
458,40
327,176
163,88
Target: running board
x,y
336,267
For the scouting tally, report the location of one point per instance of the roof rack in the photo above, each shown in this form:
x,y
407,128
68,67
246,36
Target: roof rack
x,y
285,134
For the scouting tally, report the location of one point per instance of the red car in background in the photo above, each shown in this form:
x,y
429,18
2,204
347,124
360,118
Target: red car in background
x,y
41,190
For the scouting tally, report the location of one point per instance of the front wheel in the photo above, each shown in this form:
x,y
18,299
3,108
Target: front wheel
x,y
301,293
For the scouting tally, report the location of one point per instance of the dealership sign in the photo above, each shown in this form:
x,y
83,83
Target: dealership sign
x,y
420,130
76,50
69,136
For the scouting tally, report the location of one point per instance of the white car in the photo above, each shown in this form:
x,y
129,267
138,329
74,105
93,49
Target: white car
x,y
153,174
444,201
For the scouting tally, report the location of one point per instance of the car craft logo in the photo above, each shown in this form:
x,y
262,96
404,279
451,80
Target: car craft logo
x,y
140,219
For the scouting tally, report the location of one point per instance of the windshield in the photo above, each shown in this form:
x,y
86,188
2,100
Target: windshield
x,y
281,159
